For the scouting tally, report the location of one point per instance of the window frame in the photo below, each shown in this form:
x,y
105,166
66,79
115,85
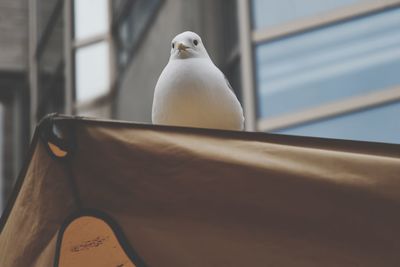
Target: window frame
x,y
72,47
117,20
250,38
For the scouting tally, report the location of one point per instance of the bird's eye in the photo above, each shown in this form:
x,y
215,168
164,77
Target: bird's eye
x,y
195,42
173,45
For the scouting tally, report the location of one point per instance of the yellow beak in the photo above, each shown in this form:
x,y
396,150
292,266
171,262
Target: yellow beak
x,y
181,47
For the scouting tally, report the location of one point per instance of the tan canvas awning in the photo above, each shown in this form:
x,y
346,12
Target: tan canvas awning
x,y
98,193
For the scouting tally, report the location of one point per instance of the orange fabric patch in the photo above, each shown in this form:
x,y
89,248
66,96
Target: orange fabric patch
x,y
58,152
89,241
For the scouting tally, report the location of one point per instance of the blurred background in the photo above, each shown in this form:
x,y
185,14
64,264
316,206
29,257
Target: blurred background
x,y
301,67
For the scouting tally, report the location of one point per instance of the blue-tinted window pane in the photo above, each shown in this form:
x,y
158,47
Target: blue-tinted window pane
x,y
328,64
380,124
267,13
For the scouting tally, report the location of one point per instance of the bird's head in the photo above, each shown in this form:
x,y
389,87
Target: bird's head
x,y
187,45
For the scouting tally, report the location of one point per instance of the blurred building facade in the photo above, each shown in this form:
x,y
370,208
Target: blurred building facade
x,y
303,67
14,91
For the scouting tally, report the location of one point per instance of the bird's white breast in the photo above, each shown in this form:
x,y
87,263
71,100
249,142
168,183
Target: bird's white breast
x,y
193,92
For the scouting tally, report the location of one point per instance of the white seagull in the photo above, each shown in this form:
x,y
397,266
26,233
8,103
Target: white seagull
x,y
191,91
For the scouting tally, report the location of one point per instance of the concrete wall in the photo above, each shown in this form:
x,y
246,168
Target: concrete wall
x,y
13,35
135,97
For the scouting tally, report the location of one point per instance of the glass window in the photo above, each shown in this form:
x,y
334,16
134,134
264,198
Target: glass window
x,y
328,64
52,52
230,27
229,42
51,87
379,124
92,71
51,92
131,26
118,6
46,9
267,13
91,18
